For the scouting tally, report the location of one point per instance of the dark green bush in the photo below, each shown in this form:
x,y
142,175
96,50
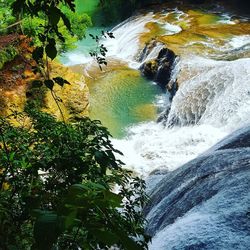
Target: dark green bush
x,y
61,186
57,186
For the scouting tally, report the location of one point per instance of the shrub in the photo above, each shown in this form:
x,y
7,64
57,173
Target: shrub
x,y
58,185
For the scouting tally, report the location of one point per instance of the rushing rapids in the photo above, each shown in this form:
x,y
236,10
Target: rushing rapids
x,y
203,204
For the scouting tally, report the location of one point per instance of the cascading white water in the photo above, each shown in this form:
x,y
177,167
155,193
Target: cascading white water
x,y
215,97
215,93
124,47
213,100
126,43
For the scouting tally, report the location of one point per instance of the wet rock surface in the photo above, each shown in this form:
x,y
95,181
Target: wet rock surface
x,y
159,69
205,203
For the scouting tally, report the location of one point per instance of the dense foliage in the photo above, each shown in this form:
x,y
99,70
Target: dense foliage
x,y
58,185
61,186
108,11
30,19
7,54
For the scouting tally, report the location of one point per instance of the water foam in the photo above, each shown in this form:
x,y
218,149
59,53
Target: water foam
x,y
239,41
215,93
172,29
213,100
151,146
214,97
126,43
76,58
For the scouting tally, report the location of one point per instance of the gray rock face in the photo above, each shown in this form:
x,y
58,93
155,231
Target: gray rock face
x,y
205,204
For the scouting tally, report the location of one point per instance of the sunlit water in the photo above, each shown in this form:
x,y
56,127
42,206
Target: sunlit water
x,y
213,98
213,72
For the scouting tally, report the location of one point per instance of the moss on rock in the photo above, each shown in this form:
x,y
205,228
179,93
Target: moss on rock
x,y
74,97
7,54
16,77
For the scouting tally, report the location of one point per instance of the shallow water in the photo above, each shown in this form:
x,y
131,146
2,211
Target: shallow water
x,y
203,204
123,98
212,72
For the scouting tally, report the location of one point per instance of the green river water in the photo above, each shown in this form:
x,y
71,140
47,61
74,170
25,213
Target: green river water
x,y
121,97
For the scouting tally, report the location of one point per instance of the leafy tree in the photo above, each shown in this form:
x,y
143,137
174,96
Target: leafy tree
x,y
32,21
58,185
61,184
6,17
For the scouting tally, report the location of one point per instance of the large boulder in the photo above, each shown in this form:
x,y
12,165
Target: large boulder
x,y
160,69
75,97
149,49
205,203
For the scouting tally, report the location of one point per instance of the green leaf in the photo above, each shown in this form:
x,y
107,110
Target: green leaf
x,y
60,35
52,41
42,37
11,156
37,54
115,200
71,4
60,81
49,84
37,84
70,219
96,186
106,237
46,230
66,21
17,6
54,15
37,212
127,242
76,190
51,51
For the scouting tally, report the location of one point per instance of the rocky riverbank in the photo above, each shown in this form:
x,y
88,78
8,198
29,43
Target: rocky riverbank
x,y
205,203
17,75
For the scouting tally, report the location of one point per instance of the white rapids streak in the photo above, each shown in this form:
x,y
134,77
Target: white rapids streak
x,y
216,93
126,43
214,96
151,146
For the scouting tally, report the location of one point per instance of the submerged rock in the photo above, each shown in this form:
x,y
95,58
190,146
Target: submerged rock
x,y
205,203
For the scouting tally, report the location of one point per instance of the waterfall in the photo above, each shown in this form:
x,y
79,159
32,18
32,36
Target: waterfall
x,y
126,43
215,93
202,202
213,97
213,100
